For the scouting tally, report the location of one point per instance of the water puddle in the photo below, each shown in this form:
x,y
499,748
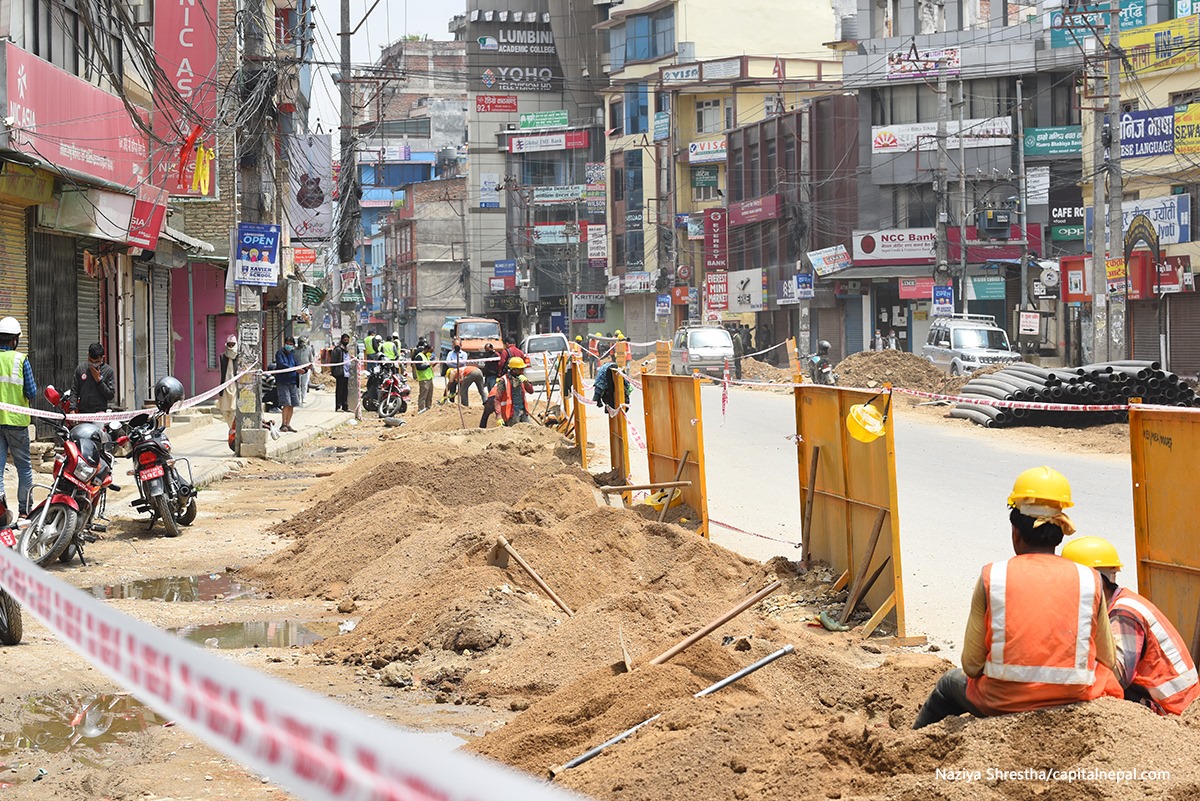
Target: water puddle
x,y
259,633
178,589
74,723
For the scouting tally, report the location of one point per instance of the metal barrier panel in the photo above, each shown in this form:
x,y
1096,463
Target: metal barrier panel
x,y
662,357
674,427
618,439
854,482
580,415
1164,447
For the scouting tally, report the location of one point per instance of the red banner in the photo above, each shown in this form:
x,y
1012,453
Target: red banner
x,y
916,288
716,234
485,104
751,211
185,43
149,213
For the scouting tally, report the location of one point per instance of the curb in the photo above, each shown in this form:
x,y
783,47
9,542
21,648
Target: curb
x,y
282,447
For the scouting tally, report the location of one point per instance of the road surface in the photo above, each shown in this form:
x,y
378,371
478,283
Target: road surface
x,y
953,489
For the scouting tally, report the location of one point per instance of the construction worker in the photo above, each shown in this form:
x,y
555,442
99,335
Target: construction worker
x,y
576,347
369,344
622,350
389,349
17,388
510,401
594,353
1152,660
423,372
1038,635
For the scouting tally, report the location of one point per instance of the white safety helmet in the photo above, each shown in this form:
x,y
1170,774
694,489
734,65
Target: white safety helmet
x,y
10,327
395,335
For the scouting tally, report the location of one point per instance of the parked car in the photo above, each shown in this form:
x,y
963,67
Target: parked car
x,y
702,347
962,343
543,350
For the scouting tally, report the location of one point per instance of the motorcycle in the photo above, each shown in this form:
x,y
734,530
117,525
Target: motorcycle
x,y
820,370
162,491
393,394
11,627
370,398
64,520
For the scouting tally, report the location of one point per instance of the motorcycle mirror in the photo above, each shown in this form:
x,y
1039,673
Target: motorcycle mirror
x,y
52,395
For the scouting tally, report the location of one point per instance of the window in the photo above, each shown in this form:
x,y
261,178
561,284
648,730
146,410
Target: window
x,y
708,116
616,48
616,184
645,37
618,255
55,32
416,128
616,118
540,170
729,115
638,38
770,180
1064,101
210,336
753,168
700,193
1185,98
635,249
637,109
989,97
633,179
664,32
736,175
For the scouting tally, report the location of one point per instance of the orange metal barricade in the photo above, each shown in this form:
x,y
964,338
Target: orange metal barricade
x,y
579,414
674,426
618,439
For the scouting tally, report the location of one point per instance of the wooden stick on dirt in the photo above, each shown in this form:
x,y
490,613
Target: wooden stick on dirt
x,y
662,515
624,651
638,487
495,557
863,590
863,566
724,618
806,524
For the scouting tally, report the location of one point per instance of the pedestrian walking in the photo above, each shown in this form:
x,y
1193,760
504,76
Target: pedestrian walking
x,y
94,382
343,354
287,383
17,388
229,368
304,355
738,353
423,372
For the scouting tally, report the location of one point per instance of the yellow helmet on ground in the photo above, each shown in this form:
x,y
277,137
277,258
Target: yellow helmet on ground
x,y
659,499
516,363
1094,552
1039,488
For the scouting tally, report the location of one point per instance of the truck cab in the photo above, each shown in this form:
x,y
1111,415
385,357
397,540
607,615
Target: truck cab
x,y
475,332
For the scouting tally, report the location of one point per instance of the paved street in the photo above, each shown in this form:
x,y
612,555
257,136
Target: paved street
x,y
953,487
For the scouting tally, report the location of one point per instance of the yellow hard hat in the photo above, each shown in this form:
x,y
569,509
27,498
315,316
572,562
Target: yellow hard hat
x,y
1092,552
864,422
1041,486
578,338
618,333
516,363
658,499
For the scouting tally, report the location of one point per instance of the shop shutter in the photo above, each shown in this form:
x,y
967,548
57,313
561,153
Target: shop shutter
x,y
1143,329
854,325
1184,333
53,334
160,300
828,328
14,277
88,293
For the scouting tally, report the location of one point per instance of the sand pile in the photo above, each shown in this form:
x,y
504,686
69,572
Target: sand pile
x,y
755,370
873,369
826,723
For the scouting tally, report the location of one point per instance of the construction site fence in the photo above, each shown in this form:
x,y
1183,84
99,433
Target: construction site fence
x,y
675,437
846,488
579,411
618,436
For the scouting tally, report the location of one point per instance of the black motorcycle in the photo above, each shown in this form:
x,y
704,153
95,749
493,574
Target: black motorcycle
x,y
162,490
820,369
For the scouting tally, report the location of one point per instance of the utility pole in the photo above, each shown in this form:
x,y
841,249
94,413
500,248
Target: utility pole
x,y
348,180
1024,201
942,250
962,204
1116,188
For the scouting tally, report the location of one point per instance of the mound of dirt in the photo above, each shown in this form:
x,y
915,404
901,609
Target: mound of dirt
x,y
899,368
754,370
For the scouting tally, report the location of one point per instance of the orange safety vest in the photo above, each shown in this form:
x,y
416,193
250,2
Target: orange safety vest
x,y
576,349
594,348
504,391
1042,614
622,347
1165,669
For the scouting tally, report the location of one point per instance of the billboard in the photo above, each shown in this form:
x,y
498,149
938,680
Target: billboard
x,y
746,290
587,307
512,51
310,193
185,49
256,260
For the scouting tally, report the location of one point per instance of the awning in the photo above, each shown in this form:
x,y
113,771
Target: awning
x,y
914,270
191,242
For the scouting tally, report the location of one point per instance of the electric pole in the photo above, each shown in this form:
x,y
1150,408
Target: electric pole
x,y
1024,201
348,185
942,252
1116,189
962,203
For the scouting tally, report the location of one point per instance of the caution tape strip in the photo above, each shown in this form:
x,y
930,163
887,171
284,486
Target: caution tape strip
x,y
752,534
308,744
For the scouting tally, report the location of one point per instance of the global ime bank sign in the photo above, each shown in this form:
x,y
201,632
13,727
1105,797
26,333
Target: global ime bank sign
x,y
894,246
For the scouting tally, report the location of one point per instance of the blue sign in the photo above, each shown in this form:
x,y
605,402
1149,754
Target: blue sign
x,y
256,262
662,306
1078,28
1171,216
804,286
943,300
662,125
1147,133
504,267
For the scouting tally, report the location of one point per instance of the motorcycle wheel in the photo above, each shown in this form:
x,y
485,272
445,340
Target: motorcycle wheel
x,y
188,515
42,546
68,553
162,507
403,406
11,627
389,406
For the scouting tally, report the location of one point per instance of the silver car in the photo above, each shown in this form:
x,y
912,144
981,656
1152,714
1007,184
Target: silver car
x,y
703,348
543,350
962,343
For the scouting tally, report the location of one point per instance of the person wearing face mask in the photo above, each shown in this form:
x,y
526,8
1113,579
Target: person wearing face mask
x,y
229,368
94,382
287,383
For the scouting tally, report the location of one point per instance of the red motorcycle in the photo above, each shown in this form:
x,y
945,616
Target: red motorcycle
x,y
393,394
62,522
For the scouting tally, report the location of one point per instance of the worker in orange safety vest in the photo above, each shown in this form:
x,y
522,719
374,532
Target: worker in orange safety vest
x,y
1152,660
594,356
1038,635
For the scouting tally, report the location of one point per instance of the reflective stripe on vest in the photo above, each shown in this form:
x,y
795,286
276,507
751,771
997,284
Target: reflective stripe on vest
x,y
1183,673
995,666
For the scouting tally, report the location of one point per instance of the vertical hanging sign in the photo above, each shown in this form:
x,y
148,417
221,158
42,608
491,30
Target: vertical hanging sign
x,y
185,104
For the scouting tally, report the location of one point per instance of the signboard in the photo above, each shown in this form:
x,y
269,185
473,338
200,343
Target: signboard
x,y
1167,45
985,287
149,214
1029,323
544,119
943,300
662,125
1066,214
304,256
804,286
504,267
707,151
185,49
495,284
722,70
787,292
613,290
922,136
746,290
716,289
1174,274
597,239
1115,276
489,190
310,198
1171,216
511,52
559,233
914,63
1148,133
707,176
827,261
1066,140
1075,30
716,235
1187,129
572,193
638,283
257,257
680,295
492,104
758,209
686,74
662,306
894,246
587,307
597,186
567,140
1037,185
916,288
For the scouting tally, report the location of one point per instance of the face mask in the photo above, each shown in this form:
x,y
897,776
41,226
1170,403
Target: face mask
x,y
289,348
95,364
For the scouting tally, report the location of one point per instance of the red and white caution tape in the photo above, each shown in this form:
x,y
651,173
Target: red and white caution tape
x,y
752,534
310,745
